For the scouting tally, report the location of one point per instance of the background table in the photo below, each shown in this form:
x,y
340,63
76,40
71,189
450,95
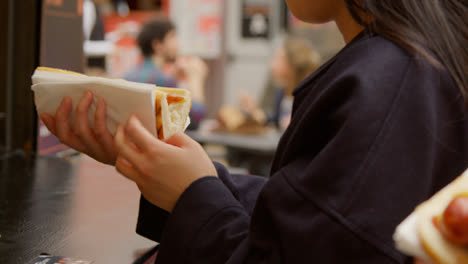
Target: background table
x,y
253,152
76,209
265,143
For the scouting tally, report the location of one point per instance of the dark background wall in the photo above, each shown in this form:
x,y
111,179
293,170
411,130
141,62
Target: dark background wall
x,y
61,38
3,74
19,55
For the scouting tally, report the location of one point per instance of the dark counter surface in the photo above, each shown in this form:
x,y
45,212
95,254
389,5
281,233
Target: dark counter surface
x,y
77,208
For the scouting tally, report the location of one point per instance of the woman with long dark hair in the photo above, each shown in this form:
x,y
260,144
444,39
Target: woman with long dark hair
x,y
376,130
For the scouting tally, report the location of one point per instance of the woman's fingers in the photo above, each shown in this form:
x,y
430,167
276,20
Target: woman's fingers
x,y
180,140
97,143
142,138
127,170
81,125
101,132
62,126
49,122
125,148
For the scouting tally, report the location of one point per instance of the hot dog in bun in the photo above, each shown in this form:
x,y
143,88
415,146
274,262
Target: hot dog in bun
x,y
163,111
439,225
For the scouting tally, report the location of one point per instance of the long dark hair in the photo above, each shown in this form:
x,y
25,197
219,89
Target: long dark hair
x,y
438,25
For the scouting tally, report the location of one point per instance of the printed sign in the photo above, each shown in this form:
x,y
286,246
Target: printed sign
x,y
199,26
256,19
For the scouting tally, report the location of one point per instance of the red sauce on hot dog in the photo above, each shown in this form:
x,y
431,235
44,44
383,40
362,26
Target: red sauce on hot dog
x,y
174,99
453,223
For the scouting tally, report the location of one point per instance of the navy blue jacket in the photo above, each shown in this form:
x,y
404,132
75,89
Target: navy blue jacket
x,y
374,132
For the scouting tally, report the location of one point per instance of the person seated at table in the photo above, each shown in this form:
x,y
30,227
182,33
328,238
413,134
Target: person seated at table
x,y
159,47
291,63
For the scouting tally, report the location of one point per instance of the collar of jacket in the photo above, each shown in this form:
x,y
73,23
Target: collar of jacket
x,y
363,35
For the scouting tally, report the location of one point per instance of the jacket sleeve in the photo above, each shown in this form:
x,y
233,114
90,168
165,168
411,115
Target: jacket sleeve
x,y
208,225
244,188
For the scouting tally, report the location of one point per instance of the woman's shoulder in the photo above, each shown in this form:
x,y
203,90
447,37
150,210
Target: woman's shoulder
x,y
371,78
374,65
374,56
369,43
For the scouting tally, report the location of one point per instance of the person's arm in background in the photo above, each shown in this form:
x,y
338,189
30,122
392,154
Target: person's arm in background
x,y
275,115
194,71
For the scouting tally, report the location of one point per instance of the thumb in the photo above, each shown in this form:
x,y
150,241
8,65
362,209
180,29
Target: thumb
x,y
180,140
49,122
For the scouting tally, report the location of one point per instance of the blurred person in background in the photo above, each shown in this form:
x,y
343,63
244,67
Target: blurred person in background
x,y
159,47
291,63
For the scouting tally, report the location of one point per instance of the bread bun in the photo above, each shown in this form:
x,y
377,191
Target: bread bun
x,y
436,245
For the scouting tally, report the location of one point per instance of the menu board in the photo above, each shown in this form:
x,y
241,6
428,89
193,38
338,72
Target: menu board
x,y
199,25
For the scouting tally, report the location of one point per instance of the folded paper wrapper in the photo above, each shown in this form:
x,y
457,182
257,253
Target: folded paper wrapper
x,y
407,240
122,98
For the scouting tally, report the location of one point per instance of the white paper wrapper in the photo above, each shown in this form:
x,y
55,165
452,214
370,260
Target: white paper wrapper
x,y
407,240
122,98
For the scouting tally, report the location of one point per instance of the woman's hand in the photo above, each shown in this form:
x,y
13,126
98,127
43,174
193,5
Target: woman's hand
x,y
96,142
161,170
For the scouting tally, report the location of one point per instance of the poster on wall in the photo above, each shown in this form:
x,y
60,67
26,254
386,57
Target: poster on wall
x,y
256,19
124,32
199,25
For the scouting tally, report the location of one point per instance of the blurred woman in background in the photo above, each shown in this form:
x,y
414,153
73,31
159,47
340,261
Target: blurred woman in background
x,y
291,63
